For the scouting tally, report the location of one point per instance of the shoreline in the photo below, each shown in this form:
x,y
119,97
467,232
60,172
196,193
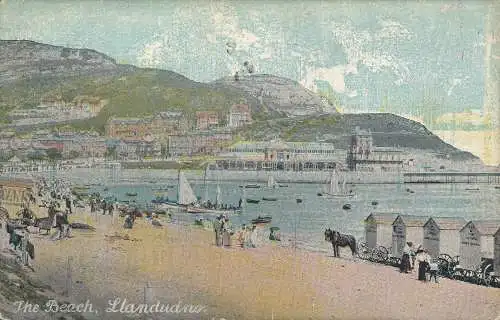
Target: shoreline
x,y
261,283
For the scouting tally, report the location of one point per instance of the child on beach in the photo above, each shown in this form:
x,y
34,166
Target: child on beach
x,y
433,270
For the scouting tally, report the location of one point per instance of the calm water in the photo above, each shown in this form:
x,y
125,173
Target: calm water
x,y
307,220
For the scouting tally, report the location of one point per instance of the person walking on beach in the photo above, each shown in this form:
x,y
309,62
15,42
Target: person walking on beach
x,y
226,239
218,231
68,204
433,270
253,237
405,259
423,259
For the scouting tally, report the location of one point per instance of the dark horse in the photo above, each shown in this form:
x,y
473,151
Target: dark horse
x,y
340,240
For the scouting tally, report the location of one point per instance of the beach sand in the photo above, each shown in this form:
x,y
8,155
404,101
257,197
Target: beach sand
x,y
183,264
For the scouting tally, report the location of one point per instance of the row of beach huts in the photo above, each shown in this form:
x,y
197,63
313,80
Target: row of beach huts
x,y
472,241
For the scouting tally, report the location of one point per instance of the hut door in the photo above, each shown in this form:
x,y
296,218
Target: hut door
x,y
496,253
431,239
398,239
470,248
371,234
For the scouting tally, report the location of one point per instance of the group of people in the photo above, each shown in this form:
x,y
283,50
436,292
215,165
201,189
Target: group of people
x,y
424,262
97,203
223,231
245,237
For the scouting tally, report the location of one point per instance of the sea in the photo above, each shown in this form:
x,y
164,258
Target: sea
x,y
301,223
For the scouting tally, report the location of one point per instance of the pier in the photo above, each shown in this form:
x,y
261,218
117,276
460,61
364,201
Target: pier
x,y
452,177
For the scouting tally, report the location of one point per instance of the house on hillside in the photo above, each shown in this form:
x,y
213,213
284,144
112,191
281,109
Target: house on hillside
x,y
206,120
239,115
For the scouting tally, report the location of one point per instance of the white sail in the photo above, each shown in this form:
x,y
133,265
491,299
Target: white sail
x,y
270,182
205,187
333,183
186,194
217,197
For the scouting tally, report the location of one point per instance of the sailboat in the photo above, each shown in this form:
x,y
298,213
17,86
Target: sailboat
x,y
185,195
335,190
270,182
199,209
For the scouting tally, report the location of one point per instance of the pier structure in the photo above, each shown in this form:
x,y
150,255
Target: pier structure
x,y
452,177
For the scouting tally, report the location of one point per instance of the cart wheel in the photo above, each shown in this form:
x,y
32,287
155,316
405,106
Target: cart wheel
x,y
363,251
487,278
382,254
459,274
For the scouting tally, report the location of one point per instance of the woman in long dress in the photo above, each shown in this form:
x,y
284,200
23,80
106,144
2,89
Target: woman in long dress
x,y
226,233
405,265
423,260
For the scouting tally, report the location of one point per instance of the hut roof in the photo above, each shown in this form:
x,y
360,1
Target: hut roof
x,y
485,227
449,223
413,221
383,217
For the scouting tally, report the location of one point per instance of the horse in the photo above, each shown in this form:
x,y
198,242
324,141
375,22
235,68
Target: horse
x,y
343,240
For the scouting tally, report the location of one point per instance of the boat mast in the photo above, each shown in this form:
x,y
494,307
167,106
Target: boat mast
x,y
178,184
205,184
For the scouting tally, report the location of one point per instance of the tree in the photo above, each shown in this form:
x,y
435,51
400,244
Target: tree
x,y
110,152
54,154
73,154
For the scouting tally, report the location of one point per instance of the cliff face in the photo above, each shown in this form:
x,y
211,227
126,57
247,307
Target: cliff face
x,y
23,60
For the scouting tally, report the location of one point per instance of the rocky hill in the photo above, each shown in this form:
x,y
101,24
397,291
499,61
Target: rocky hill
x,y
278,94
388,130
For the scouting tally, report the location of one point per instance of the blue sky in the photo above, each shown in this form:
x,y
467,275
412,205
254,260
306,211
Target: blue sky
x,y
364,50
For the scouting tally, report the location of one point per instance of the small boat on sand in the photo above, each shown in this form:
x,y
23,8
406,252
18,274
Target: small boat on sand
x,y
261,220
269,199
252,201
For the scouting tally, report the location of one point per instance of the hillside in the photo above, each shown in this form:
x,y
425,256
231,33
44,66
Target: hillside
x,y
278,94
30,71
388,130
280,107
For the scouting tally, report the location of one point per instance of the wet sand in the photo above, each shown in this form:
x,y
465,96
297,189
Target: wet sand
x,y
183,264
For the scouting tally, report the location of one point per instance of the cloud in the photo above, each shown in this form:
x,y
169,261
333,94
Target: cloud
x,y
362,47
335,76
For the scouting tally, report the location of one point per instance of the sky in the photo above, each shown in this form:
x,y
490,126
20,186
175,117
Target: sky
x,y
404,52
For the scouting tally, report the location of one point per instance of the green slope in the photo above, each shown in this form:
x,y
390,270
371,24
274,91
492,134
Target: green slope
x,y
138,93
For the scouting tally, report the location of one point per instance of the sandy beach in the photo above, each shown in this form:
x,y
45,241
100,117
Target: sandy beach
x,y
183,264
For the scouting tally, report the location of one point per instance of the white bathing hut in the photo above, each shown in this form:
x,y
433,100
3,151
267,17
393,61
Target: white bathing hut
x,y
407,228
496,253
442,235
378,229
476,242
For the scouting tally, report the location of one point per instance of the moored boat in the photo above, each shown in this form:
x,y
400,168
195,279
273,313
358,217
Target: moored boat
x,y
131,194
269,199
252,201
336,191
261,220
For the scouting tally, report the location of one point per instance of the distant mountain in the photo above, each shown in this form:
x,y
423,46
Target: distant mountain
x,y
278,94
281,107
